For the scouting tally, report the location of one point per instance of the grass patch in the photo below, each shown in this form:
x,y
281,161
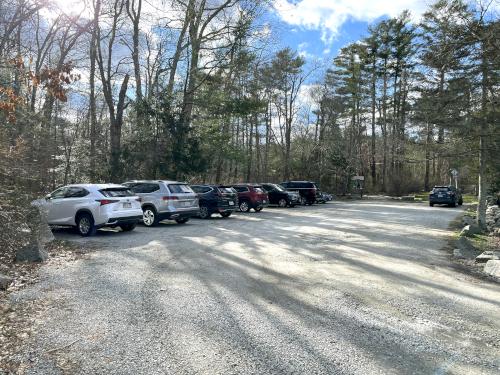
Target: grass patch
x,y
480,242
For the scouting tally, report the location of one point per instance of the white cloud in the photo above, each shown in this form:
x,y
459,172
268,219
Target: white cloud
x,y
329,15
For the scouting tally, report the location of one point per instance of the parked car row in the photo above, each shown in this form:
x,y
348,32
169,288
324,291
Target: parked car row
x,y
88,207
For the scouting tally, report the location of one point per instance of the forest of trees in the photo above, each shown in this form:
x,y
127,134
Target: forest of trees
x,y
198,90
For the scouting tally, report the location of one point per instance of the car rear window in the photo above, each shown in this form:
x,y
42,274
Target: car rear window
x,y
258,189
441,189
116,192
143,188
179,189
226,190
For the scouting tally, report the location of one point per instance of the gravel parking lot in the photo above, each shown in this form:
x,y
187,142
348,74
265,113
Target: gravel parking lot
x,y
344,288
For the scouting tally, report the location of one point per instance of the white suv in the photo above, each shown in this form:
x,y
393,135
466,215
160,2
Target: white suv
x,y
91,206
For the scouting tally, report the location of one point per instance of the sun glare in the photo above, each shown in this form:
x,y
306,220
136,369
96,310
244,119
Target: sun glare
x,y
70,7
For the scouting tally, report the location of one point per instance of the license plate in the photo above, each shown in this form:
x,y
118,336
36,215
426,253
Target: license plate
x,y
440,195
127,205
231,203
186,204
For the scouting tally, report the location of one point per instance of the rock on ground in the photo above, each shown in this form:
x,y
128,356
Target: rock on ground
x,y
470,230
487,256
492,268
4,282
32,252
466,246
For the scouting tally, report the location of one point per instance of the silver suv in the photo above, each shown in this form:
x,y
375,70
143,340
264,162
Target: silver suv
x,y
88,207
165,200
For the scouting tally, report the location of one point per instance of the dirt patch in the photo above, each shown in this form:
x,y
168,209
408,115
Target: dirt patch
x,y
18,320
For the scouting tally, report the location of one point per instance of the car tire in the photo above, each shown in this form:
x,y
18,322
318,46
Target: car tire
x,y
454,204
204,212
149,216
244,206
460,202
431,204
258,209
303,201
85,225
282,203
182,221
225,214
128,227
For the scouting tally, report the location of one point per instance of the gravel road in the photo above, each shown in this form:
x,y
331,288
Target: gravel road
x,y
342,288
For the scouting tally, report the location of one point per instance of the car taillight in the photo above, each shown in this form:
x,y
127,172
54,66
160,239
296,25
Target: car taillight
x,y
106,201
138,199
170,198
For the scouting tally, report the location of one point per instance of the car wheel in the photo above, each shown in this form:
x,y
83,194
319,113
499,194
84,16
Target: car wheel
x,y
128,227
282,202
244,207
85,225
204,212
303,201
182,221
454,204
149,216
460,202
431,204
258,209
225,214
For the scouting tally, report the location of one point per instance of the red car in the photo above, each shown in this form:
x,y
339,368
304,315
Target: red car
x,y
251,196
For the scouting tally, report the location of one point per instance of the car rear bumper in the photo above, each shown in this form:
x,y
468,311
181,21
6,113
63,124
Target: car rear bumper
x,y
178,214
225,208
116,221
442,200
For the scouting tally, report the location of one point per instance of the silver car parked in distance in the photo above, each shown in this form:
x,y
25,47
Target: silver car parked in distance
x,y
165,200
88,207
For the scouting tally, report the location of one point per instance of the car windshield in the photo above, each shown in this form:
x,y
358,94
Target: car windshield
x,y
116,192
441,189
179,188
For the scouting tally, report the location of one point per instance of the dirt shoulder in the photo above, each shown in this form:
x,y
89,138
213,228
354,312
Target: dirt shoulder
x,y
19,319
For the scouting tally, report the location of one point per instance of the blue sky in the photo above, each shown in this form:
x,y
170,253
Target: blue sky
x,y
319,28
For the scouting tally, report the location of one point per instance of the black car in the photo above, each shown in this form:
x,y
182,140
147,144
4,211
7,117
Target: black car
x,y
306,189
216,199
449,195
281,197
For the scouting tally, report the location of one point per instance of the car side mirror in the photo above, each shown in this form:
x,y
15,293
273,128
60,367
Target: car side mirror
x,y
48,197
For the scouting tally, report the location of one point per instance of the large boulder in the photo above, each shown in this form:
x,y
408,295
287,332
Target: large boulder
x,y
470,230
38,221
4,282
465,245
492,268
32,252
487,256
